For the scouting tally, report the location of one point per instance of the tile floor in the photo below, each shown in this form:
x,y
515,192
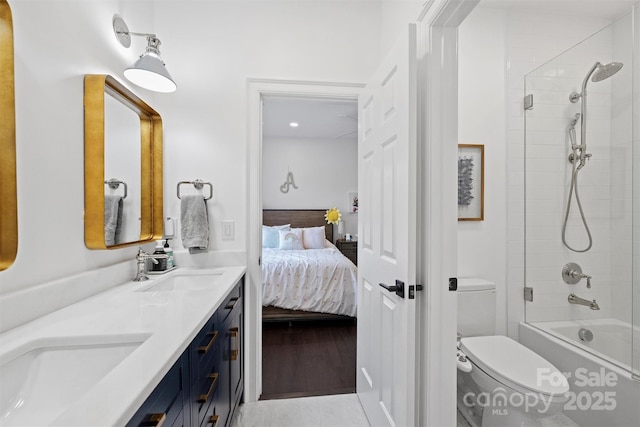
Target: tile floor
x,y
341,410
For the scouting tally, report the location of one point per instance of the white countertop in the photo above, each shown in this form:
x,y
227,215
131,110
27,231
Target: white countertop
x,y
170,319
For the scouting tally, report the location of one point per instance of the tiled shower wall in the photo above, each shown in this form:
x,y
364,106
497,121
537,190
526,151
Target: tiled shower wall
x,y
532,40
548,179
622,173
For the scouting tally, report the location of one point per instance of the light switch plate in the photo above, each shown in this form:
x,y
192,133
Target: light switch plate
x,y
228,229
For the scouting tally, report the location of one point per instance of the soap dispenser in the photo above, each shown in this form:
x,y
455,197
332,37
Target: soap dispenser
x,y
162,260
169,252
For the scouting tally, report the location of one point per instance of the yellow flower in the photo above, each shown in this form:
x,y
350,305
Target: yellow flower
x,y
333,216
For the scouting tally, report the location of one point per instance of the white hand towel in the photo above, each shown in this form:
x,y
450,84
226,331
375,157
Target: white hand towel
x,y
194,223
112,219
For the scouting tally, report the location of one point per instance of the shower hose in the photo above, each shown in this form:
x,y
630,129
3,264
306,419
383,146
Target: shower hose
x,y
574,189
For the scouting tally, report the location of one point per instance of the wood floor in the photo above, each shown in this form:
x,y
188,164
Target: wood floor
x,y
311,358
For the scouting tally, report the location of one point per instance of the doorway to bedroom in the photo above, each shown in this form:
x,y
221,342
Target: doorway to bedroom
x,y
309,267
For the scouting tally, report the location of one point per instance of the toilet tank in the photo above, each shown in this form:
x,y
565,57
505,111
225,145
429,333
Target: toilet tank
x,y
476,307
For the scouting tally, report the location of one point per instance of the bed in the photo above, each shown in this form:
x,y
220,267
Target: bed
x,y
306,284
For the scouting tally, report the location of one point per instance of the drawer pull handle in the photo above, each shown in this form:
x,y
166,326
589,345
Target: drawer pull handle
x,y
232,303
206,348
213,419
234,333
204,397
155,420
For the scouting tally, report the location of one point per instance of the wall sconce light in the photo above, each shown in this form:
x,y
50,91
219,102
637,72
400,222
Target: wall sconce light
x,y
148,71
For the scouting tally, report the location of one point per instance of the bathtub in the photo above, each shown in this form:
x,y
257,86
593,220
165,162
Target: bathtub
x,y
603,392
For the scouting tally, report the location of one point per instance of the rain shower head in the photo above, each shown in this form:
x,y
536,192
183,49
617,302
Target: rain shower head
x,y
597,73
605,71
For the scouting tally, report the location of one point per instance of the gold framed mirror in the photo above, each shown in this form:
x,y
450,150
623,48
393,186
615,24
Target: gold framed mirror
x,y
111,140
8,192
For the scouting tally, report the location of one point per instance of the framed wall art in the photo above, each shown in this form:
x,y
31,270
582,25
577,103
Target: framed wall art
x,y
470,182
352,200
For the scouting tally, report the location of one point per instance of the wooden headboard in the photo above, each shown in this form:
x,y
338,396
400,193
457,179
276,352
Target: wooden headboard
x,y
298,218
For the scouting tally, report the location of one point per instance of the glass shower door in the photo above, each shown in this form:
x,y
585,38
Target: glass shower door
x,y
580,241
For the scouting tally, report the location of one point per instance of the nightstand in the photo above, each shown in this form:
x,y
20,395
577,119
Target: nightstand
x,y
349,248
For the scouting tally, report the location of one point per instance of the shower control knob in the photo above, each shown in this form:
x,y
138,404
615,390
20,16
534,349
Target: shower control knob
x,y
572,274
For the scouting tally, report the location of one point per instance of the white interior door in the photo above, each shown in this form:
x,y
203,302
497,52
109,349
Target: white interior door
x,y
387,239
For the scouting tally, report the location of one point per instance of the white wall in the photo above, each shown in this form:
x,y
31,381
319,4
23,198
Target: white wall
x,y
205,119
491,100
482,120
51,57
210,48
325,171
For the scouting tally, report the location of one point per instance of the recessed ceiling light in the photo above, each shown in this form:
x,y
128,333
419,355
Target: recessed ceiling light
x,y
293,124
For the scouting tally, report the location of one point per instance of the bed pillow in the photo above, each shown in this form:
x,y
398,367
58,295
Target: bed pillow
x,y
270,236
290,239
313,237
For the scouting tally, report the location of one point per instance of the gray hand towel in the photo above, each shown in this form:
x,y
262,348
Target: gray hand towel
x,y
112,219
194,223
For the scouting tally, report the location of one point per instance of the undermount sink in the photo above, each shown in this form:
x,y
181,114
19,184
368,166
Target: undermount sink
x,y
43,378
186,281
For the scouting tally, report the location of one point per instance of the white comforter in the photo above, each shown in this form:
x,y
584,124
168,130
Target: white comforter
x,y
320,280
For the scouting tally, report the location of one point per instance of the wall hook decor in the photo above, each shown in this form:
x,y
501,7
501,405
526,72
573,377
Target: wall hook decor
x,y
288,183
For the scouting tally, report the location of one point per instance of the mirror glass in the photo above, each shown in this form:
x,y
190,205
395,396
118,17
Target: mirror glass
x,y
122,171
8,194
123,166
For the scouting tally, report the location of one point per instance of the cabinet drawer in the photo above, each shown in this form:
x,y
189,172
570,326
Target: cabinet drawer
x,y
230,303
212,419
206,344
204,393
164,405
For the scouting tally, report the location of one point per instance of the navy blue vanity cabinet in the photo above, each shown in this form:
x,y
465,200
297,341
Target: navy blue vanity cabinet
x,y
216,364
230,310
234,326
165,404
205,371
205,385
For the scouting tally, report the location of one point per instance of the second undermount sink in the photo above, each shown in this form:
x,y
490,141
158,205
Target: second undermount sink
x,y
43,378
188,280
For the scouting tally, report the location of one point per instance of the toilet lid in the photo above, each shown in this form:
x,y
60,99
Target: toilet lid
x,y
511,363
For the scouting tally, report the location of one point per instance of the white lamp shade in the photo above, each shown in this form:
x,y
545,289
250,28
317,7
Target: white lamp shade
x,y
150,73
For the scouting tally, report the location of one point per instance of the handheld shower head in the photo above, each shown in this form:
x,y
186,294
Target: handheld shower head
x,y
603,72
574,121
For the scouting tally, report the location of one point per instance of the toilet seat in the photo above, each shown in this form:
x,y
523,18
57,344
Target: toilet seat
x,y
514,365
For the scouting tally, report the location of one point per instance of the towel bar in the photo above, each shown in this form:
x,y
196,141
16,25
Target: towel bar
x,y
114,183
198,184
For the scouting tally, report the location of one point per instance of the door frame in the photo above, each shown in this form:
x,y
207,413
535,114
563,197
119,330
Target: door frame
x,y
438,176
257,89
437,246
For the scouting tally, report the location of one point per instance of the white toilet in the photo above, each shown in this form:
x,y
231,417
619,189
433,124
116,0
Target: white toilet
x,y
500,381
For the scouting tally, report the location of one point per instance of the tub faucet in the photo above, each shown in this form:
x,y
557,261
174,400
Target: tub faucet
x,y
573,299
141,258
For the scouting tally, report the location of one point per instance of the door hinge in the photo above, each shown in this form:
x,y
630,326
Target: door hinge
x,y
528,293
453,284
413,289
528,102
